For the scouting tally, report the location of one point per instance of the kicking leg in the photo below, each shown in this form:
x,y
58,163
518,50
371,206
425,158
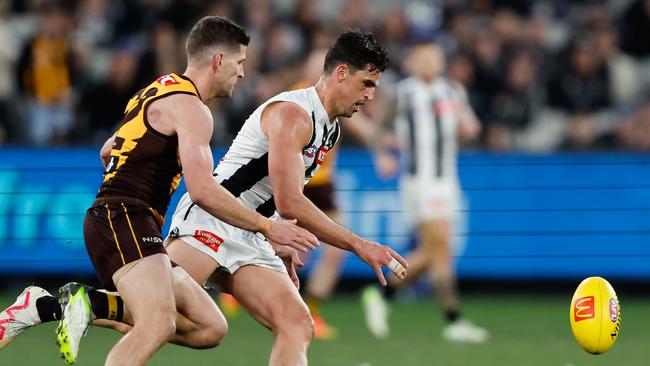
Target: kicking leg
x,y
200,323
271,298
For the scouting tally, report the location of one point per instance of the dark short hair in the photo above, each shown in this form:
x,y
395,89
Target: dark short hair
x,y
357,49
215,30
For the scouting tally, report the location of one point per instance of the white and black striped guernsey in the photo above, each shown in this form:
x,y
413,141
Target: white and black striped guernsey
x,y
244,169
427,123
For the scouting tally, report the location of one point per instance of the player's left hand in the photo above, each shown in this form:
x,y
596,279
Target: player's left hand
x,y
291,259
286,232
377,255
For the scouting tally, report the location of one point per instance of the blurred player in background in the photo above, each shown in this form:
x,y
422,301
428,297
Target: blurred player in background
x,y
429,115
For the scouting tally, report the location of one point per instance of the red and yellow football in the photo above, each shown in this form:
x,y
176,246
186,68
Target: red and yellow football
x,y
595,315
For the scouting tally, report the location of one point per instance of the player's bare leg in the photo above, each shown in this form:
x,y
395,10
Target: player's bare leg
x,y
435,236
435,239
200,323
149,282
196,327
272,299
327,272
198,265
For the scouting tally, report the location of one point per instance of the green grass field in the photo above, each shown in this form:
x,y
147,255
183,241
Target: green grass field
x,y
527,330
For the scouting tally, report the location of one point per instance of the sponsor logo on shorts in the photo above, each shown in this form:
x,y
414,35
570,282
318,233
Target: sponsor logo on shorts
x,y
583,309
210,240
613,310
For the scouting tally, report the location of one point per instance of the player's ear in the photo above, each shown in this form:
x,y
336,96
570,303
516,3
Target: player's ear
x,y
217,60
342,71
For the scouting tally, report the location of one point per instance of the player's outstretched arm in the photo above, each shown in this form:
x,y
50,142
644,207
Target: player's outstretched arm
x,y
289,129
192,122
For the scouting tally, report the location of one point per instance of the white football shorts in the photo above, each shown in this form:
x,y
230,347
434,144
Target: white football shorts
x,y
427,199
229,246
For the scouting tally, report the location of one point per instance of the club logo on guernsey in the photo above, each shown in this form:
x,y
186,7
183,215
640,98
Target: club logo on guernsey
x,y
167,80
310,151
583,309
210,240
320,153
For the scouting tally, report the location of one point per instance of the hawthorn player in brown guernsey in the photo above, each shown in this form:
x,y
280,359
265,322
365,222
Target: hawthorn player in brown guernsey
x,y
142,172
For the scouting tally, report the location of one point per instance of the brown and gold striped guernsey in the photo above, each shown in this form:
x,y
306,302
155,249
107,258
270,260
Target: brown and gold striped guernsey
x,y
144,163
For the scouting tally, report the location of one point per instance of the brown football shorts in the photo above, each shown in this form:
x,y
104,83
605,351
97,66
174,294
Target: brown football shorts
x,y
118,232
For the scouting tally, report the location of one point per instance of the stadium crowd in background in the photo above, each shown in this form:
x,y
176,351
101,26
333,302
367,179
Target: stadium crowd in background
x,y
541,75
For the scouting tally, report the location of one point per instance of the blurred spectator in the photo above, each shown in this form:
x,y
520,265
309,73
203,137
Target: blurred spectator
x,y
513,107
621,68
581,88
101,106
635,24
283,46
46,69
356,14
164,55
571,99
461,69
8,55
306,17
634,133
392,32
488,69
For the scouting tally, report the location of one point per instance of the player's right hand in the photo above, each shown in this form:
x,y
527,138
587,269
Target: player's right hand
x,y
286,232
291,260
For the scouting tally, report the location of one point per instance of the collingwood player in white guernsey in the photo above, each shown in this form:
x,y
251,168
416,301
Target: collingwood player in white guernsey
x,y
430,114
278,149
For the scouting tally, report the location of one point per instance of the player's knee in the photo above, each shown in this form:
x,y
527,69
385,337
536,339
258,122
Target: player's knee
x,y
212,335
162,323
295,320
166,329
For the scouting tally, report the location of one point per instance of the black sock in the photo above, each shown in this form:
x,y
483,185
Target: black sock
x,y
388,291
48,308
105,306
451,315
